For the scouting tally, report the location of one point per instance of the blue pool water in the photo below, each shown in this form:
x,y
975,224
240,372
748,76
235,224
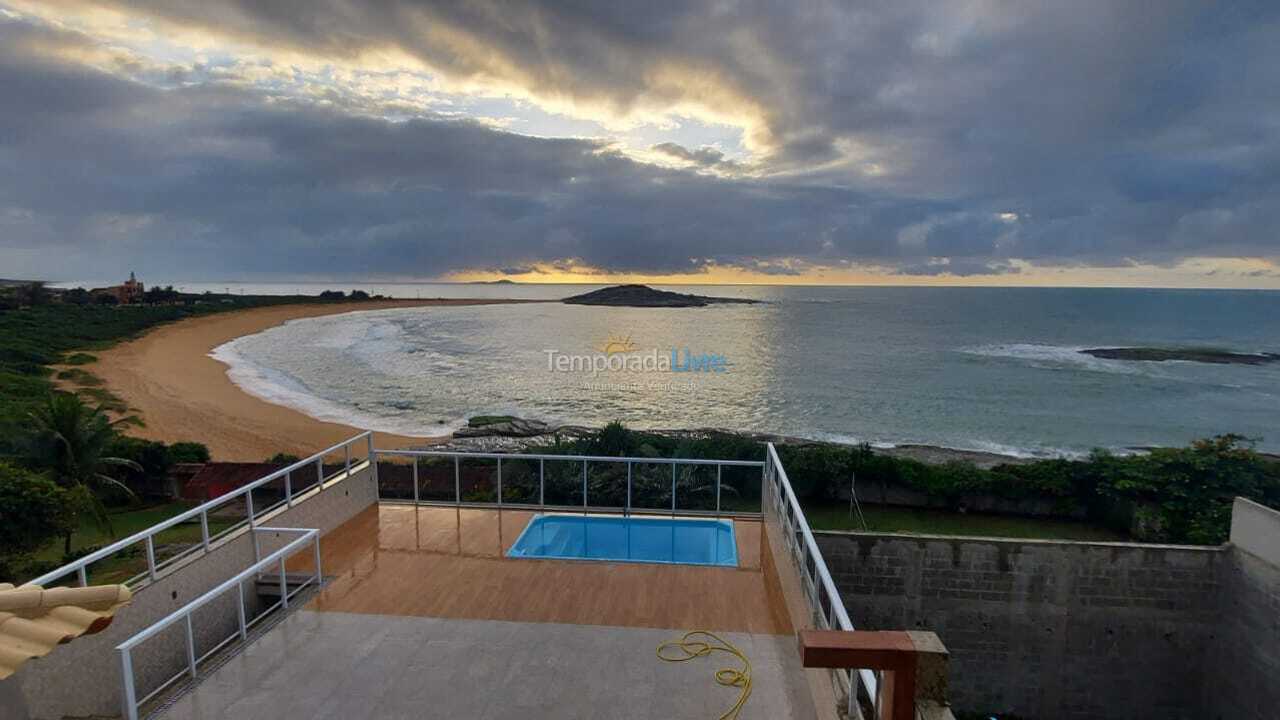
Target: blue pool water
x,y
628,539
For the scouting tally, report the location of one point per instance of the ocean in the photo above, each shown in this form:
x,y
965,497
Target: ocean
x,y
992,369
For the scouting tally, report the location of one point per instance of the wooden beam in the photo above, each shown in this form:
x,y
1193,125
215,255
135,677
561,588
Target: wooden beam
x,y
902,656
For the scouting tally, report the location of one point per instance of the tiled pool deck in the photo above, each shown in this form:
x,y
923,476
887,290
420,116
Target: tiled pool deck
x,y
451,563
424,616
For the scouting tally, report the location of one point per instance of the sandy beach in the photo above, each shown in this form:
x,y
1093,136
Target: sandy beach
x,y
181,393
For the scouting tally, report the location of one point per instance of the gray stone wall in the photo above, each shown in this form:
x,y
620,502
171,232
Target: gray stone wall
x,y
84,677
1243,666
1043,629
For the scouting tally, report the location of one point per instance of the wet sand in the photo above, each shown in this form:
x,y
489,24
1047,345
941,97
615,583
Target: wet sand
x,y
183,394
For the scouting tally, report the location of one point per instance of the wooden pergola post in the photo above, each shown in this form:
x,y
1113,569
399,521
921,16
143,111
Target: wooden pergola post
x,y
914,665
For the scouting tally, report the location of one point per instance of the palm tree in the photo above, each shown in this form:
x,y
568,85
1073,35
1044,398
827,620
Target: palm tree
x,y
71,438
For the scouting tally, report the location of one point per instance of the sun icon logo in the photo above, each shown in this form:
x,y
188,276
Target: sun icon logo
x,y
617,344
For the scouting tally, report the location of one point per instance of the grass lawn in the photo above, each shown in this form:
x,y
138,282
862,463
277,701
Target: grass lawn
x,y
125,523
884,518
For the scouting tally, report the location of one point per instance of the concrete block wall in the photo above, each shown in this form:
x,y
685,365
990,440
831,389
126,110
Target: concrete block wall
x,y
84,678
1046,630
1243,666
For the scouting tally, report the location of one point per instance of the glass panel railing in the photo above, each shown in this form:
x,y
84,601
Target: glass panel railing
x,y
520,482
695,488
479,479
563,482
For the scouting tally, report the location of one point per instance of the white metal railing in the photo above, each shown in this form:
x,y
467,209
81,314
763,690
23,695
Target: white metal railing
x,y
627,506
130,702
820,590
253,515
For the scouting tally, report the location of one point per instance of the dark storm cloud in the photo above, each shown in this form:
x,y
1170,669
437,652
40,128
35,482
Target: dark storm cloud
x,y
211,180
890,133
706,157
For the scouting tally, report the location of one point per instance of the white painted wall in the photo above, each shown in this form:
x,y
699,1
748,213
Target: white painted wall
x,y
83,677
1256,530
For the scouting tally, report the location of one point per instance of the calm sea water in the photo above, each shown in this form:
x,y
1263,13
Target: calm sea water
x,y
989,369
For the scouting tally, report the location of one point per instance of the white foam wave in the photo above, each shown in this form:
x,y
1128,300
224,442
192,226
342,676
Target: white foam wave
x,y
1054,357
1036,452
280,388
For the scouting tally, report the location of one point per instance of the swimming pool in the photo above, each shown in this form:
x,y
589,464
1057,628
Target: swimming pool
x,y
683,541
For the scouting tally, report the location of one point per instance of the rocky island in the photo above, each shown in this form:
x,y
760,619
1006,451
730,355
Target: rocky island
x,y
1201,355
645,296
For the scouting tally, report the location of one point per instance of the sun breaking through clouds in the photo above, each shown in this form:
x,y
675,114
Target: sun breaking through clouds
x,y
978,143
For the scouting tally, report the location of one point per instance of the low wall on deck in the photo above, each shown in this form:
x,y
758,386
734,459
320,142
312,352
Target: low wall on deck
x,y
1045,629
1244,664
84,677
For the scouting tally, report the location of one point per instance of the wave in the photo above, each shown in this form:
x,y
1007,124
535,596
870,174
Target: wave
x,y
281,388
1030,452
1055,357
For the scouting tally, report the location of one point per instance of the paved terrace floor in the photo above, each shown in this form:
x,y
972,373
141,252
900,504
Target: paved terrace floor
x,y
424,616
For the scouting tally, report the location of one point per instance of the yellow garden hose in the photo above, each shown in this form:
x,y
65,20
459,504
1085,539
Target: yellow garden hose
x,y
687,648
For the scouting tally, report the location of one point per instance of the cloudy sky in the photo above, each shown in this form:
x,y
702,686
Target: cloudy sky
x,y
966,142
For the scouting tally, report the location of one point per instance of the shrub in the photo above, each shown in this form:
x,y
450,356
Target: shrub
x,y
33,511
1169,495
188,452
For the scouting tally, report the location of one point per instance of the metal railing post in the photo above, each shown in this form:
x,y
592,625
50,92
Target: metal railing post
x,y
415,480
542,483
151,557
288,489
204,530
499,482
457,480
320,472
627,509
319,576
346,450
373,461
83,575
284,586
719,468
244,626
191,648
248,503
130,700
673,488
584,486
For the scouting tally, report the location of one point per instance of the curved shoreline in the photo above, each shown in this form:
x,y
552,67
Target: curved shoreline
x,y
182,393
171,379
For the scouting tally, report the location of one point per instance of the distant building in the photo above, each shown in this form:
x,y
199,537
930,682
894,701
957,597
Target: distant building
x,y
127,294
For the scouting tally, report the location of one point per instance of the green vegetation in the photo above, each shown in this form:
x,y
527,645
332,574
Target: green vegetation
x,y
41,327
70,439
1175,495
34,337
97,479
929,521
33,511
68,445
125,522
128,562
188,452
80,377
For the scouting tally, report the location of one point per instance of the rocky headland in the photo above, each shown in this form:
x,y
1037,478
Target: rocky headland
x,y
1200,355
645,296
